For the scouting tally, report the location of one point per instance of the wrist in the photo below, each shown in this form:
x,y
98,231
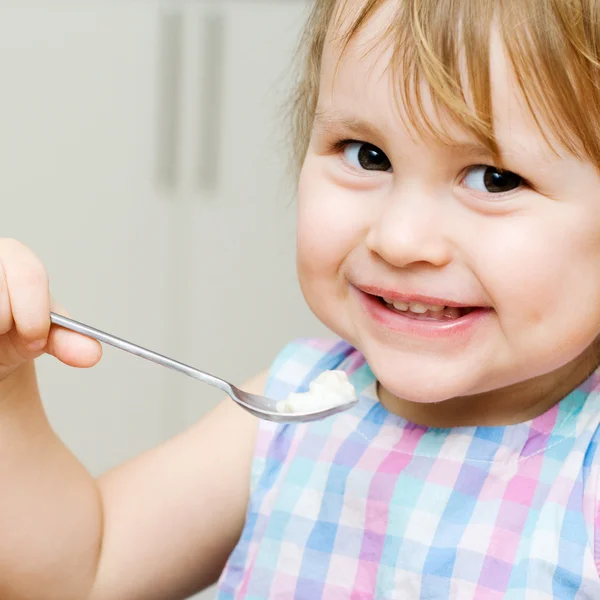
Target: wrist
x,y
19,383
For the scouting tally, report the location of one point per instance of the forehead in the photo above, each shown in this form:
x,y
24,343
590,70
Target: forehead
x,y
368,54
362,78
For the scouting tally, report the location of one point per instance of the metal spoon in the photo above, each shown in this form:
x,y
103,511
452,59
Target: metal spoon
x,y
259,406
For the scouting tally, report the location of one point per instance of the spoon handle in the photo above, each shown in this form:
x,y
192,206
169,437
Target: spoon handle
x,y
122,344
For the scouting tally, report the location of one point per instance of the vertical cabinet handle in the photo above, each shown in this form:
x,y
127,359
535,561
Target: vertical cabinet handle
x,y
212,44
169,98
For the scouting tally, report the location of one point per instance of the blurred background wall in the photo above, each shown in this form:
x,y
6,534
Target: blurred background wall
x,y
144,158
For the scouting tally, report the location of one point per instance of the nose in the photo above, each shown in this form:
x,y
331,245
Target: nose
x,y
411,228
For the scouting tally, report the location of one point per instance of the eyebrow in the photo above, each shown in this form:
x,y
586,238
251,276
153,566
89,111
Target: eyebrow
x,y
332,121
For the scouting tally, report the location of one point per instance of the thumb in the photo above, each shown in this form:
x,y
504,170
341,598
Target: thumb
x,y
71,348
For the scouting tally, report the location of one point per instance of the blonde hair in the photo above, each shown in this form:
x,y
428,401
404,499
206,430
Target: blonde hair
x,y
553,46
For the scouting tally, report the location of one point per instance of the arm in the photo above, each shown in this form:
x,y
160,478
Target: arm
x,y
159,527
50,509
173,515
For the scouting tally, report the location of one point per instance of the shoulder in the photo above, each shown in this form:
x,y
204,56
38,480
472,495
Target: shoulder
x,y
257,384
303,359
292,370
583,418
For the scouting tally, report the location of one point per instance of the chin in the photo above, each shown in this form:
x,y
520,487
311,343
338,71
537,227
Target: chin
x,y
422,381
420,391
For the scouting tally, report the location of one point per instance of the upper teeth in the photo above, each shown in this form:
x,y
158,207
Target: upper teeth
x,y
416,307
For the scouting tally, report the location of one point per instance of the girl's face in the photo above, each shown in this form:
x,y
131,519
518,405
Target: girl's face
x,y
512,257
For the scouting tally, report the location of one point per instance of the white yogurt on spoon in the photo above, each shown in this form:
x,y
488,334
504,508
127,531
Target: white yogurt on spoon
x,y
328,390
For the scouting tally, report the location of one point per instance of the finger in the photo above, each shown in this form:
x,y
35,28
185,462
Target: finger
x,y
6,320
28,290
72,348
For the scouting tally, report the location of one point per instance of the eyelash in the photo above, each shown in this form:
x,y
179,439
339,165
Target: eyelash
x,y
341,145
524,182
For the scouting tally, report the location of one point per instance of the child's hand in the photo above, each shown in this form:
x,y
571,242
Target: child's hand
x,y
25,305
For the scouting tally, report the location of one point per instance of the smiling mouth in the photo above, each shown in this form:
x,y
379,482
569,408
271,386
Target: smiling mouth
x,y
426,312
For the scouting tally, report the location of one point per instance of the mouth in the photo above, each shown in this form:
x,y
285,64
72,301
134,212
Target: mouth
x,y
421,315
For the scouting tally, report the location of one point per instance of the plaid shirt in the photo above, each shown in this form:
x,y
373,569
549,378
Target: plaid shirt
x,y
366,505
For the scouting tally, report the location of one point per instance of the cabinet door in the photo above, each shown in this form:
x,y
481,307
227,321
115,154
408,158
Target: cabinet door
x,y
243,301
78,121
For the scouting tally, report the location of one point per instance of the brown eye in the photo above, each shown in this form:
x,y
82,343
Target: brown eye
x,y
367,157
491,180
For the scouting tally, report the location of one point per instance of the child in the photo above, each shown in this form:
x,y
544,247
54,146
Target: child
x,y
449,233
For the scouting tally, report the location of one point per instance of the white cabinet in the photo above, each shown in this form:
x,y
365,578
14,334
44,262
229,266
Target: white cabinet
x,y
240,302
78,110
142,157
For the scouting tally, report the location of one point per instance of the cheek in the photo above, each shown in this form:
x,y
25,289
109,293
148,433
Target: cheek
x,y
331,224
546,276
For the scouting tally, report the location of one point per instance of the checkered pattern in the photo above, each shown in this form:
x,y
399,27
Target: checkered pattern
x,y
365,505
